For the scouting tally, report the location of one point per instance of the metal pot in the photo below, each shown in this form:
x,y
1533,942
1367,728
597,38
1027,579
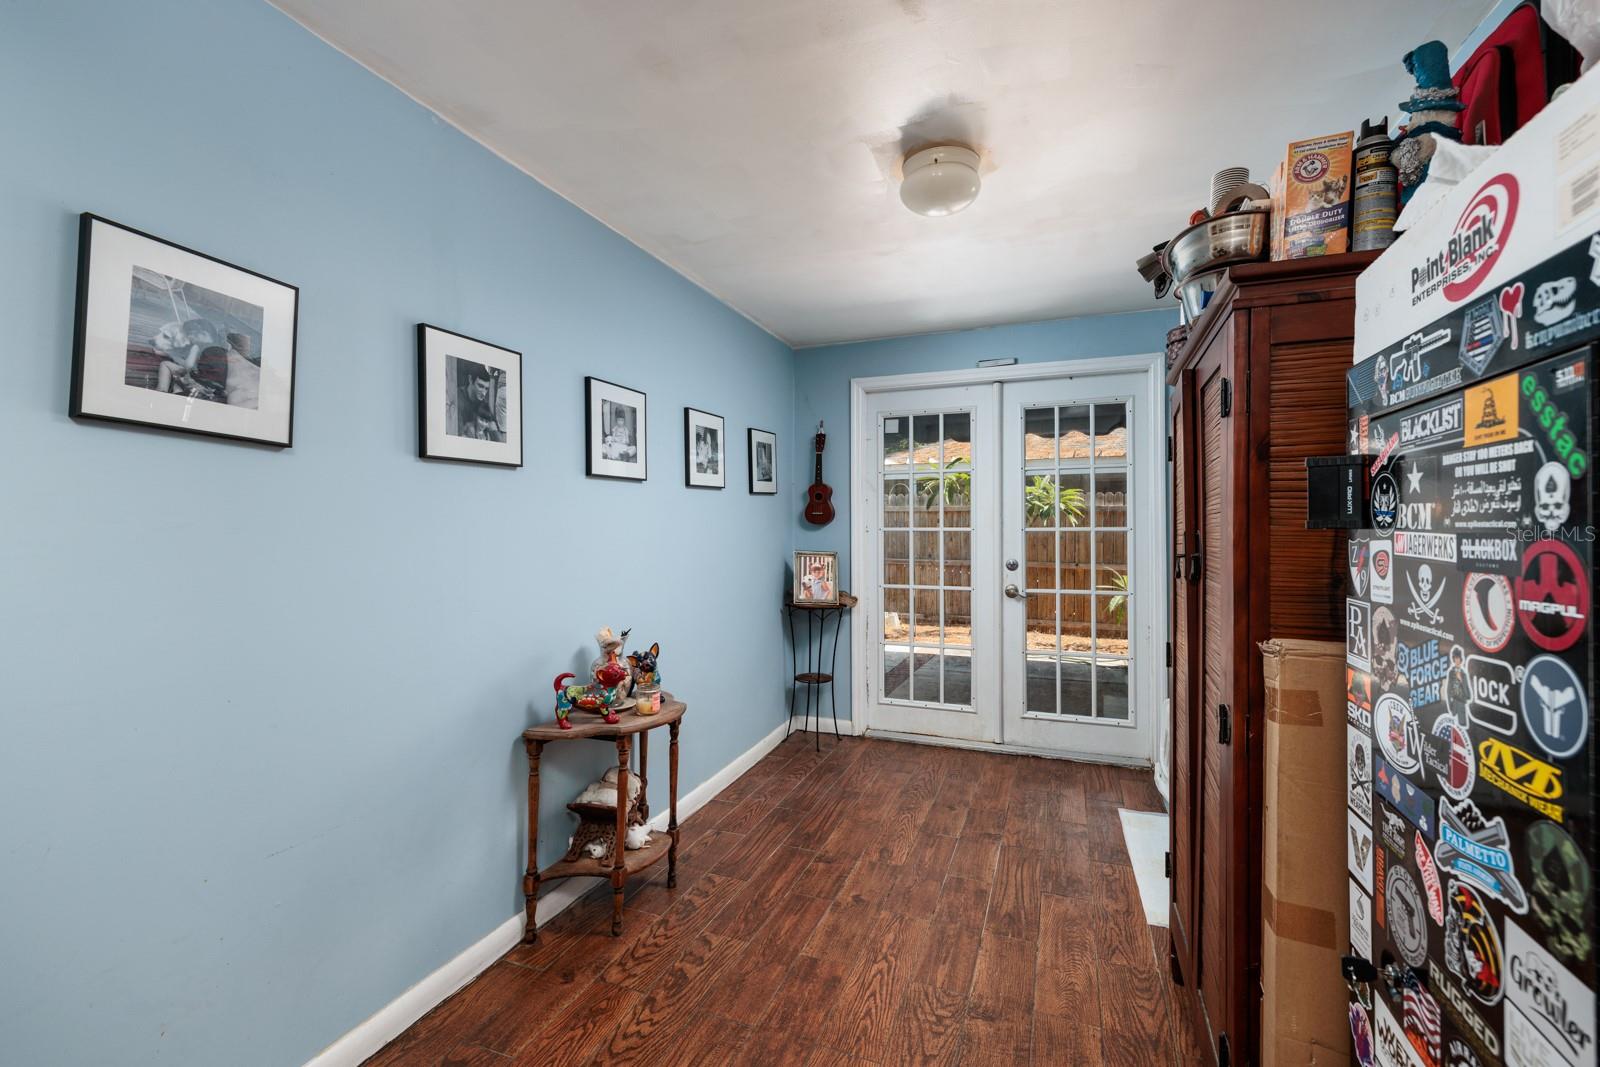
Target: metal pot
x,y
1196,292
1236,237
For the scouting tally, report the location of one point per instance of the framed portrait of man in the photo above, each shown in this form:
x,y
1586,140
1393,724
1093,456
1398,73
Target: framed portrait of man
x,y
469,399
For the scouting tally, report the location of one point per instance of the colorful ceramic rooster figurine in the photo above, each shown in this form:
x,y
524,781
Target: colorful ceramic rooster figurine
x,y
609,671
594,698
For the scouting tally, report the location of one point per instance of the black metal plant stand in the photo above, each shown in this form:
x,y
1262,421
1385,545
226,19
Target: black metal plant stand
x,y
813,678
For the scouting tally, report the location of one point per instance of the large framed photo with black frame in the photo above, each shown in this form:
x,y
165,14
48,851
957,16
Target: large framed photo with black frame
x,y
705,450
617,431
469,399
176,339
763,462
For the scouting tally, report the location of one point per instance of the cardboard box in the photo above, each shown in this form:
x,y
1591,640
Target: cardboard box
x,y
1305,898
1315,206
1535,196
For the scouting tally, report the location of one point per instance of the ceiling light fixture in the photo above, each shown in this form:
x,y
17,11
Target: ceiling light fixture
x,y
941,180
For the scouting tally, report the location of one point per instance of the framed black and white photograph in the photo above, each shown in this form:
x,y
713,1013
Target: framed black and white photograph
x,y
816,578
615,422
763,462
469,399
176,339
705,450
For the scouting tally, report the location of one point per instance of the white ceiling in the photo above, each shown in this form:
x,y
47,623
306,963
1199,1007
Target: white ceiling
x,y
754,145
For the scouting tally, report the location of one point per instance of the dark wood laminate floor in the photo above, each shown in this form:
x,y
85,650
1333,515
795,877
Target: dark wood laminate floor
x,y
875,904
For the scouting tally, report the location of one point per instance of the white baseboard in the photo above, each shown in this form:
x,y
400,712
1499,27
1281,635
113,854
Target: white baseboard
x,y
846,727
390,1021
1007,750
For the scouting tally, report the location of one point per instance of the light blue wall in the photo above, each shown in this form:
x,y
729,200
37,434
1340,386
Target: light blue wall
x,y
822,392
259,711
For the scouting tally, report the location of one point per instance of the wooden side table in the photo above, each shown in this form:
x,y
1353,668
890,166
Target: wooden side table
x,y
623,863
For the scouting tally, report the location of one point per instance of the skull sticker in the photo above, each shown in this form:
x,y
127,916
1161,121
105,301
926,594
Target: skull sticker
x,y
1552,495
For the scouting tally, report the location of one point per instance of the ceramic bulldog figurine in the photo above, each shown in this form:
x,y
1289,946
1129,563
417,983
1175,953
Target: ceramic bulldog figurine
x,y
646,673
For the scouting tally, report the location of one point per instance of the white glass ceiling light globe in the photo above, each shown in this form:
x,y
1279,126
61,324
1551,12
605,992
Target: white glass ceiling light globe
x,y
940,181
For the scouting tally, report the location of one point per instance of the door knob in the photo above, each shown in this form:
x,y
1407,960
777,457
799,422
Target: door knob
x,y
1015,594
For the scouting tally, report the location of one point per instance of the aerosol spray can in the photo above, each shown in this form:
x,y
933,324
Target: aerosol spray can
x,y
1377,189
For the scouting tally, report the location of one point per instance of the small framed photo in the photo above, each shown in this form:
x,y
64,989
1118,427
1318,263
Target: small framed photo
x,y
816,578
173,338
469,399
763,462
705,450
614,420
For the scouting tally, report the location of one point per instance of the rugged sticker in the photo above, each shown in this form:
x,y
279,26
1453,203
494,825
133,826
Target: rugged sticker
x,y
1553,706
1559,889
1552,596
1551,997
1486,606
1471,946
1478,850
1467,1017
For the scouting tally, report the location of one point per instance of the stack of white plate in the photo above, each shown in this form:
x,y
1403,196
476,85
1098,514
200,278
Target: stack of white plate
x,y
1225,183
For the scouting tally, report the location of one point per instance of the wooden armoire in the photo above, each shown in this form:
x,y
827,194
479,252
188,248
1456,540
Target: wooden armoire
x,y
1258,386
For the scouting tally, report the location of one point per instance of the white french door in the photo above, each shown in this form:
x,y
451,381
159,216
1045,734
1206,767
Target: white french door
x,y
1073,591
935,606
1005,569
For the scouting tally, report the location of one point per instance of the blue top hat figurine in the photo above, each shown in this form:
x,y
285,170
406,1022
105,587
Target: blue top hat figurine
x,y
1433,108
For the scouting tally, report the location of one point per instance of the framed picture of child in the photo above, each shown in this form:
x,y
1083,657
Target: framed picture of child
x,y
705,453
816,578
469,399
615,423
173,338
763,445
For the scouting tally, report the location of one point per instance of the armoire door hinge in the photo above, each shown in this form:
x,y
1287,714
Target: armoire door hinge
x,y
1225,403
1169,865
1224,725
1169,448
1169,655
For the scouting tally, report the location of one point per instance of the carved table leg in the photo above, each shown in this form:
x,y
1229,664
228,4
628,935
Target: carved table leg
x,y
644,775
672,802
619,857
530,879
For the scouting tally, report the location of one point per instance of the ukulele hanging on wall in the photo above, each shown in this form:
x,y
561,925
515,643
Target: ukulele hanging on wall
x,y
819,498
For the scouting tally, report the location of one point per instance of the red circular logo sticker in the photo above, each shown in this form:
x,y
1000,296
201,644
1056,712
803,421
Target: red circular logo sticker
x,y
1552,596
1310,167
1480,236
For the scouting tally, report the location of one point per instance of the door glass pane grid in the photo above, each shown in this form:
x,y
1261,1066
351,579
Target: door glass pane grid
x,y
926,459
1076,474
